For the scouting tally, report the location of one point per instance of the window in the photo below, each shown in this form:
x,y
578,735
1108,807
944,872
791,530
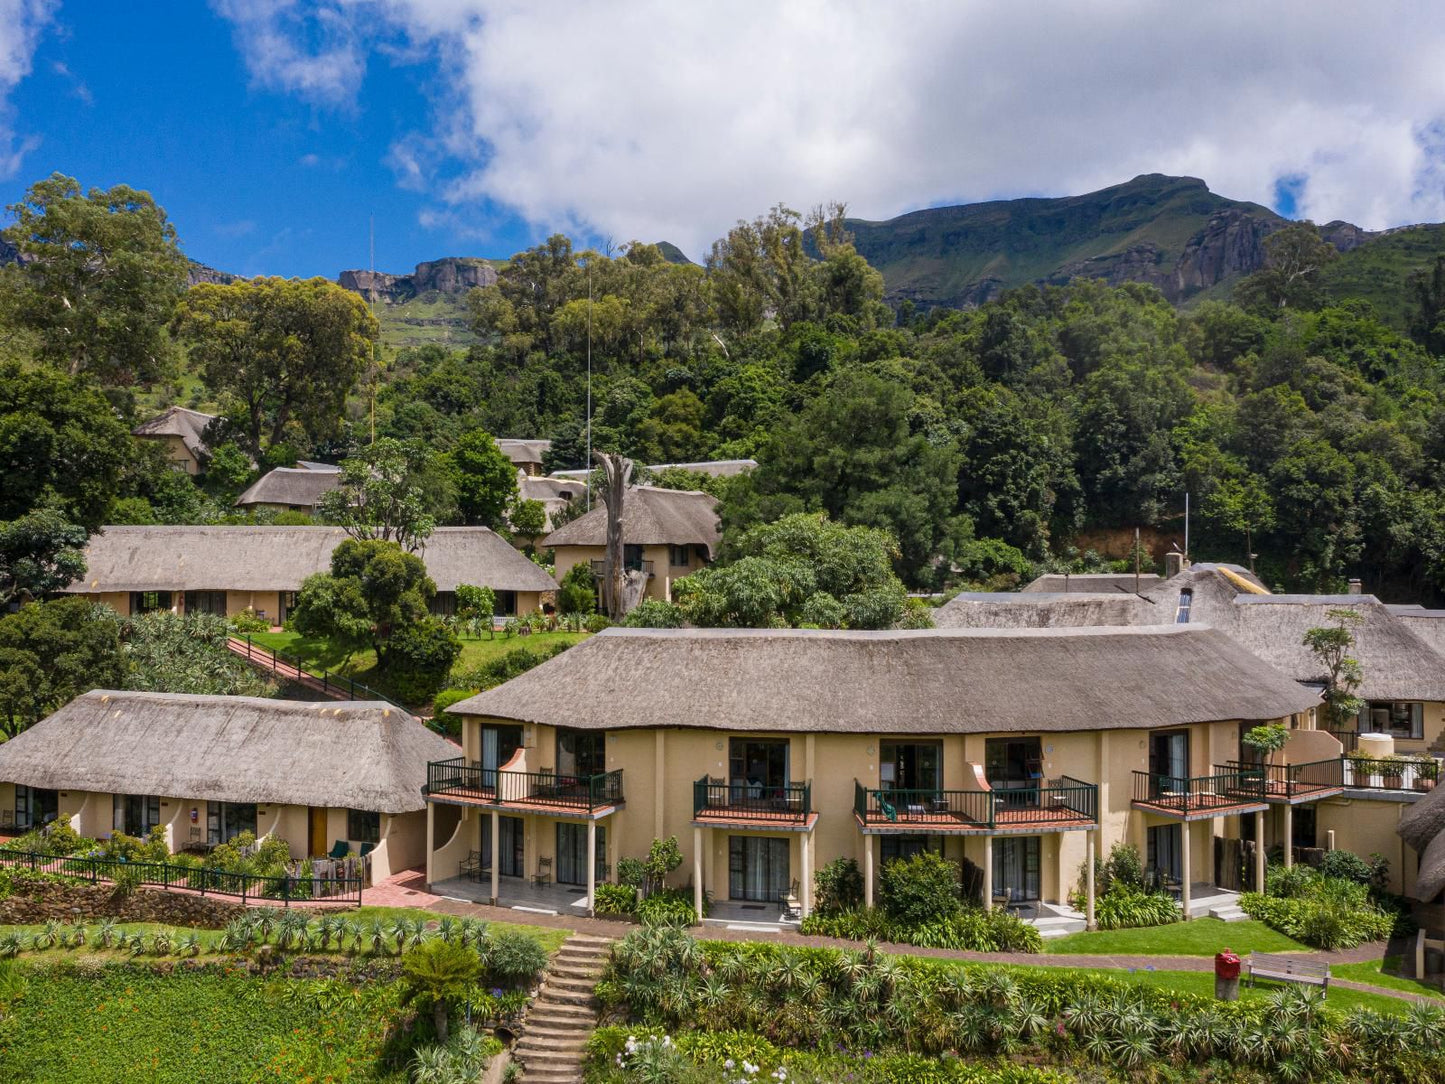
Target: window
x,y
227,820
35,807
1399,719
1013,762
363,826
632,557
892,847
135,814
144,602
572,852
1169,754
759,763
206,602
910,765
757,869
679,556
498,745
511,835
444,604
580,753
1016,868
1163,855
505,603
1186,600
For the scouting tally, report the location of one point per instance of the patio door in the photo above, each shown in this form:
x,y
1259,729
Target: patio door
x,y
572,852
316,831
1165,843
581,754
1016,868
35,807
135,814
498,745
510,839
1169,754
910,766
1015,764
757,868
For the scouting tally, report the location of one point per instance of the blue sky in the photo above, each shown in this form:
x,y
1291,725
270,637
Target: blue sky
x,y
272,130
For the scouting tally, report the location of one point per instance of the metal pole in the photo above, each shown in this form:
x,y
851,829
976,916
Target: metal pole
x,y
588,465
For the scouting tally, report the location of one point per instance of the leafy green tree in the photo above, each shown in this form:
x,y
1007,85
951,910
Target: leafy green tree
x,y
476,605
50,653
1427,323
1266,740
228,472
173,653
529,521
1293,256
384,494
1331,645
40,552
419,658
283,353
577,594
654,613
61,445
99,278
484,479
439,974
374,589
1241,503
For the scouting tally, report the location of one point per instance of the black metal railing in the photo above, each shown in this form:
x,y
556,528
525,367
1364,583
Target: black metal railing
x,y
285,889
460,778
599,568
1200,793
752,801
1348,739
1291,781
1390,773
338,686
1063,801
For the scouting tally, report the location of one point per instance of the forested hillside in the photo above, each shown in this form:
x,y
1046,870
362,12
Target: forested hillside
x,y
988,441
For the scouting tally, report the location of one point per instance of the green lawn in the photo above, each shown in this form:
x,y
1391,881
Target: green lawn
x,y
1385,973
320,654
1198,937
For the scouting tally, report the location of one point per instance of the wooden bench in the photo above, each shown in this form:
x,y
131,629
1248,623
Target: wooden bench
x,y
1266,965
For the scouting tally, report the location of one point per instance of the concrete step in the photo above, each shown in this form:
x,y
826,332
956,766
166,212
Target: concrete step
x,y
555,981
561,1009
543,1048
552,995
1055,932
583,952
1228,914
584,964
590,939
554,1030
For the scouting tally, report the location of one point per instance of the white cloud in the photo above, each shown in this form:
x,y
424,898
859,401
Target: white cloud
x,y
664,120
21,23
313,50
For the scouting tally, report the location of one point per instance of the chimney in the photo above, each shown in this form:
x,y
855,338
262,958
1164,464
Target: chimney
x,y
1173,564
1356,588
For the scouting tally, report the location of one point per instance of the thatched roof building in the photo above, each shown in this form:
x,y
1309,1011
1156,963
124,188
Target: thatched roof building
x,y
650,516
1042,610
169,558
294,487
716,468
1092,582
524,453
357,755
177,421
1422,826
928,681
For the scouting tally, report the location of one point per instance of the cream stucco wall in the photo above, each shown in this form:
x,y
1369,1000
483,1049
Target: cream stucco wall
x,y
664,573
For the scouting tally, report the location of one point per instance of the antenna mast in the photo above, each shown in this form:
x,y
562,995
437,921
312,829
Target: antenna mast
x,y
588,464
371,234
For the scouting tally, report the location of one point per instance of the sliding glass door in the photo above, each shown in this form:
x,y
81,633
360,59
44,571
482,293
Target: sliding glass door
x,y
1016,868
572,852
757,868
510,833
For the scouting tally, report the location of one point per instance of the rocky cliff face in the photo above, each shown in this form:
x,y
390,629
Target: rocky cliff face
x,y
197,273
450,275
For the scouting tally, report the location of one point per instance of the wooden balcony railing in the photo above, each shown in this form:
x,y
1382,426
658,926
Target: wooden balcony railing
x,y
1181,796
1063,802
1291,781
547,791
786,802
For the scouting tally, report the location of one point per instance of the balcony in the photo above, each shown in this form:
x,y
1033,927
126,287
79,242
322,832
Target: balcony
x,y
1227,791
1062,805
1293,783
742,804
548,793
599,568
1417,773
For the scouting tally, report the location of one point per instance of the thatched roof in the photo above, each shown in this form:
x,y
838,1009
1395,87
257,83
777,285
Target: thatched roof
x,y
1429,625
929,681
1091,582
650,516
358,755
1042,610
1397,664
1422,826
189,425
169,558
717,468
538,488
300,487
521,451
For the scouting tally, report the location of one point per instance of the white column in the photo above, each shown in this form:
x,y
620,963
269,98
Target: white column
x,y
430,840
697,872
1259,851
496,856
805,890
591,864
1288,840
868,871
1089,880
987,892
1184,855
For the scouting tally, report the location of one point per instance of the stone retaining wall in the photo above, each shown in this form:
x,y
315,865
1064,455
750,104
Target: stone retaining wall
x,y
32,903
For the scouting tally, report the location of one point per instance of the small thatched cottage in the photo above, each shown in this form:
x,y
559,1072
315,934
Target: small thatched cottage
x,y
225,570
770,752
206,768
666,534
526,455
291,489
182,432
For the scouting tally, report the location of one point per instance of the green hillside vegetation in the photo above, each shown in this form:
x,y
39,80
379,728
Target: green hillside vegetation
x,y
1380,271
953,255
431,318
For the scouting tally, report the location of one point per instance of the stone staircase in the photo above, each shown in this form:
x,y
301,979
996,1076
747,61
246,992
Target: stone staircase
x,y
563,1014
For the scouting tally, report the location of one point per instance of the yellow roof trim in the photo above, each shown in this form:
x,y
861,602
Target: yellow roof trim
x,y
1242,583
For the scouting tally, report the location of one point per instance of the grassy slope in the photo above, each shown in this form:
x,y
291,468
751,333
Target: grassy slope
x,y
1201,937
429,318
940,254
1385,973
1380,270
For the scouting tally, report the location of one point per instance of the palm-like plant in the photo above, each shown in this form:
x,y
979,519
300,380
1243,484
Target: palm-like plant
x,y
163,942
105,933
46,937
191,944
11,944
264,920
291,929
376,937
439,974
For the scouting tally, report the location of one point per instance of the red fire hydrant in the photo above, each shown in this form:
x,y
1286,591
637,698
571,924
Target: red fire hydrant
x,y
1226,975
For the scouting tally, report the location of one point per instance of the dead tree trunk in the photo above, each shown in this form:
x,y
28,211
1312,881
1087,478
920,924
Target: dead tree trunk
x,y
618,471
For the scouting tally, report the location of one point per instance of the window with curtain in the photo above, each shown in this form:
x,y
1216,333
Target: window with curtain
x,y
757,868
227,820
910,765
572,852
135,814
581,753
1016,868
1164,850
1399,719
